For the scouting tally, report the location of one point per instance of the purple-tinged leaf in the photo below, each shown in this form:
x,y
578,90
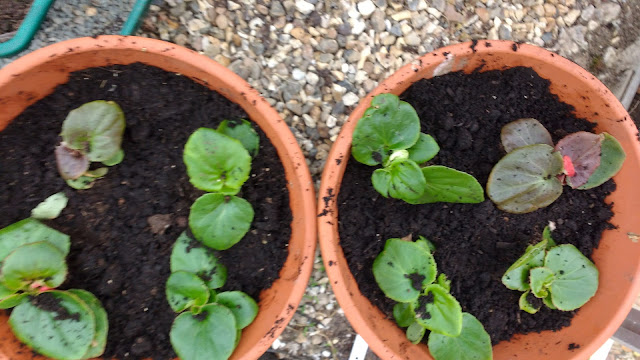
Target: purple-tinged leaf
x,y
584,150
523,132
611,158
71,163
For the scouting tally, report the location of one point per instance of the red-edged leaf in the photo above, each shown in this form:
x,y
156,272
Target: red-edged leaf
x,y
584,150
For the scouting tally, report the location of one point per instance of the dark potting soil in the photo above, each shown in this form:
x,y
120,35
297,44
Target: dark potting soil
x,y
115,253
475,243
11,14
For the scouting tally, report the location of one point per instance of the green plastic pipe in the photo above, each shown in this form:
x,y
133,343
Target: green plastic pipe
x,y
139,9
27,29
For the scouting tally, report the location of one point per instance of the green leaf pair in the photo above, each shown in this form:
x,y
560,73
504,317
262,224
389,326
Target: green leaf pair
x,y
91,133
406,272
389,134
559,275
532,173
211,328
219,161
67,324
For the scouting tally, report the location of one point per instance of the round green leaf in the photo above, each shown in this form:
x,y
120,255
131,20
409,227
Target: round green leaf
x,y
210,335
444,184
540,278
81,183
583,148
388,124
220,221
51,207
424,149
526,305
576,277
381,181
243,307
115,160
517,275
28,231
39,262
611,158
439,311
473,343
523,132
401,266
242,131
185,290
405,180
13,300
193,256
415,332
216,162
525,179
404,314
56,324
102,322
95,128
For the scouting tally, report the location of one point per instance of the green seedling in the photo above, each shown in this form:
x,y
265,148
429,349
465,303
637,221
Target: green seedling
x,y
218,162
406,272
90,133
389,135
532,174
557,275
61,324
210,323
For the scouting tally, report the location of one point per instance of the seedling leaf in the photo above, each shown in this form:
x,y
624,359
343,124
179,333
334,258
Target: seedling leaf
x,y
404,314
28,231
523,132
192,256
39,262
220,221
525,179
424,149
210,335
185,290
115,159
242,131
583,148
401,267
473,343
216,162
64,333
611,159
525,305
415,332
51,207
388,124
576,277
95,129
540,278
71,163
439,311
13,300
546,235
102,323
517,275
243,307
444,184
444,282
81,183
402,179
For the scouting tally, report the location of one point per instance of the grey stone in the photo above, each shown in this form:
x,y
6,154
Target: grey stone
x,y
277,9
344,29
395,30
328,46
377,21
504,33
439,5
610,11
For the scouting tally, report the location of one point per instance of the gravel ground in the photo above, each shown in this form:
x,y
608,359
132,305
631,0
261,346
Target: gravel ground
x,y
313,59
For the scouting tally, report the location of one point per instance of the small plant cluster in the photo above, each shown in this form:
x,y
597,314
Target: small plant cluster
x,y
90,133
389,135
532,174
61,324
406,272
557,275
210,323
218,161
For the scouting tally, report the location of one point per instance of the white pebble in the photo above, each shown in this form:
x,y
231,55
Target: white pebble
x,y
298,74
366,8
304,7
350,99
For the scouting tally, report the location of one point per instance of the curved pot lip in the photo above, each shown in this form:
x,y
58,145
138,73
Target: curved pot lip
x,y
297,269
341,279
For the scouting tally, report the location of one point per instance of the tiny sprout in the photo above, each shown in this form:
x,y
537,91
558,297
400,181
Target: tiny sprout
x,y
406,272
558,276
389,135
90,133
532,174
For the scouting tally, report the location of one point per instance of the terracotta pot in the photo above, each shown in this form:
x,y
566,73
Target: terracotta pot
x,y
617,258
34,76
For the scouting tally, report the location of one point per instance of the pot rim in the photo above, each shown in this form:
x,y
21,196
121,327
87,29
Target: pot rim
x,y
449,58
112,49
